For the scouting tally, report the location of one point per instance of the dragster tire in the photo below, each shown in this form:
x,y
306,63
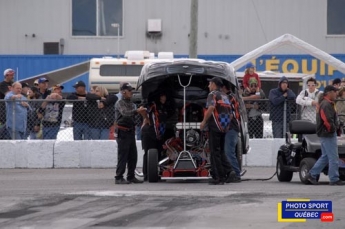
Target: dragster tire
x,y
152,165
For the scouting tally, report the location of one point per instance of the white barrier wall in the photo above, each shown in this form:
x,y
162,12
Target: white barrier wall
x,y
102,154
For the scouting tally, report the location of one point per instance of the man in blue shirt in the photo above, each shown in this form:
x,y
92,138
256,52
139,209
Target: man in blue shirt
x,y
16,112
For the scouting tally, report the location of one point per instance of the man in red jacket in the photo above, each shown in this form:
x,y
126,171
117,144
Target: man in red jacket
x,y
326,128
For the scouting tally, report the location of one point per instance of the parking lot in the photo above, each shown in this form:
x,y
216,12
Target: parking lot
x,y
88,198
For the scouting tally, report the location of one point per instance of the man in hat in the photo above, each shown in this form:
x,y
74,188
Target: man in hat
x,y
219,161
80,110
278,96
43,87
5,87
51,112
326,128
125,111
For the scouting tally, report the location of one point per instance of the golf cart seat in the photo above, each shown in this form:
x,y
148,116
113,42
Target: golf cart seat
x,y
301,127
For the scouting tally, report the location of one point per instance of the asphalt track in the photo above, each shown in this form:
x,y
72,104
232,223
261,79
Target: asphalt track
x,y
88,198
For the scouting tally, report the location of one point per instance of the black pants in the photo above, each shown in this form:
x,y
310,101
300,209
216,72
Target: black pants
x,y
256,127
126,154
149,141
220,164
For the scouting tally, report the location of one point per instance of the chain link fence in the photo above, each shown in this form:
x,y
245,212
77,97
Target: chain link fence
x,y
83,120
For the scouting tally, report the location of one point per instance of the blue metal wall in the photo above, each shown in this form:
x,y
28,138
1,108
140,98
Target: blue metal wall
x,y
31,65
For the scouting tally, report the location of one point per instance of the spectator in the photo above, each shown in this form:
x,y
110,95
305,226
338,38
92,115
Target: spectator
x,y
51,111
336,83
308,99
278,97
93,89
81,129
43,87
340,105
16,112
25,89
34,123
125,110
342,84
101,110
326,128
254,107
36,83
5,87
251,77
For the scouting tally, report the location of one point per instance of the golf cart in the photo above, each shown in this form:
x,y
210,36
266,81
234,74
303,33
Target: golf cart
x,y
186,156
301,156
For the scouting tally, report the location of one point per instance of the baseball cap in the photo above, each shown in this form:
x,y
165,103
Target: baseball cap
x,y
126,86
330,88
8,71
218,81
42,80
58,86
36,82
79,84
250,65
25,85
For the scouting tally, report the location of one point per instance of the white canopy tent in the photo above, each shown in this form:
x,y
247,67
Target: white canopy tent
x,y
288,39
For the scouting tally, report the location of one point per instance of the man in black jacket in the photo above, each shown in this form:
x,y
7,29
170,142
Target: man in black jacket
x,y
125,111
326,128
80,112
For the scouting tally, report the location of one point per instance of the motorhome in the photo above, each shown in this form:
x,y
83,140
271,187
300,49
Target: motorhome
x,y
110,72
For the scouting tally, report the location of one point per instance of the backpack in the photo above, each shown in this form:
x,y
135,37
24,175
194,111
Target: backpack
x,y
222,113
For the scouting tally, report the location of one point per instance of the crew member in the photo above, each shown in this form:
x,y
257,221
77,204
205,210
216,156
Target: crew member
x,y
125,111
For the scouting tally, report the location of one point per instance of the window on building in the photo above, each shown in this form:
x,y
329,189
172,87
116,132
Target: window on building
x,y
95,17
336,17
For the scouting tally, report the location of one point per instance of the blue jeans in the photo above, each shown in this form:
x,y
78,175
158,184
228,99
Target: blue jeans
x,y
50,132
99,134
16,135
81,131
231,139
329,149
138,132
278,129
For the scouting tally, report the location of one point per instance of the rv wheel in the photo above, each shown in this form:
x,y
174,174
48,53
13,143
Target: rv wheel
x,y
152,165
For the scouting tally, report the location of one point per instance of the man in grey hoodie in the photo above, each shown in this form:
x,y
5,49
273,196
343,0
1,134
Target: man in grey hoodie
x,y
278,97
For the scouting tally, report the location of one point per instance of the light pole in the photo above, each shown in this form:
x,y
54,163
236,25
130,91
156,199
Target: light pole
x,y
117,25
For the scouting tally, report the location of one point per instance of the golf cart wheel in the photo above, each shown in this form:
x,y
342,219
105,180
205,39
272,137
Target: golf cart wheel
x,y
304,168
239,152
282,174
152,165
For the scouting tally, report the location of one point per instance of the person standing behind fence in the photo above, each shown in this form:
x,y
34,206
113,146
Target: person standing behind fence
x,y
308,99
51,110
16,112
327,126
251,76
81,129
34,123
101,110
125,110
278,97
5,87
43,87
254,107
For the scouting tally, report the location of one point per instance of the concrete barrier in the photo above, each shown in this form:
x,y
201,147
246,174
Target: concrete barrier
x,y
102,154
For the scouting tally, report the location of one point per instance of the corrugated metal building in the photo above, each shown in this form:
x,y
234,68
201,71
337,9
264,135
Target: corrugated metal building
x,y
225,26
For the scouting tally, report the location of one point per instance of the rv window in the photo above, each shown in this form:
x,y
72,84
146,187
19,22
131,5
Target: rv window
x,y
120,70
